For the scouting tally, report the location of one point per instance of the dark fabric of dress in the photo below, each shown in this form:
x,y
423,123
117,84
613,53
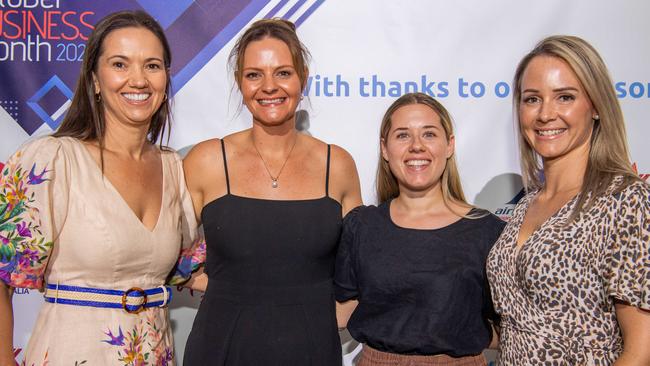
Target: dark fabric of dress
x,y
420,292
270,299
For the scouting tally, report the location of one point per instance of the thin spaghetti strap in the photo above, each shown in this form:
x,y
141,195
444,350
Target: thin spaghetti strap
x,y
225,164
327,173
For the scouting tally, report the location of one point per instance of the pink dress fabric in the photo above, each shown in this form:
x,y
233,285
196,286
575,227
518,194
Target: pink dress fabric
x,y
62,221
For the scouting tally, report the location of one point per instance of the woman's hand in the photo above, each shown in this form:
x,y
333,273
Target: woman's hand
x,y
198,281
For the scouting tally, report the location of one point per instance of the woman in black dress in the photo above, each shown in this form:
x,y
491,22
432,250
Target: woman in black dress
x,y
271,201
411,272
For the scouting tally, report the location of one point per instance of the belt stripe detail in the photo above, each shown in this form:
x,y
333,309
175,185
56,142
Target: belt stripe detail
x,y
103,298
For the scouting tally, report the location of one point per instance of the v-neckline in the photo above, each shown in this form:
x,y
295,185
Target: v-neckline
x,y
519,248
111,187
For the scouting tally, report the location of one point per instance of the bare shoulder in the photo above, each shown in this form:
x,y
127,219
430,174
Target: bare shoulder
x,y
344,178
342,162
202,162
339,157
204,151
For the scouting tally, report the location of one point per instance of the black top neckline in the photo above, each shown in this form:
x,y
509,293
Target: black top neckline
x,y
300,200
385,209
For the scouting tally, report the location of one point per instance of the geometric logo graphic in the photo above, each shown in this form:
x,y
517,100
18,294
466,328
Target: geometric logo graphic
x,y
167,14
53,119
40,67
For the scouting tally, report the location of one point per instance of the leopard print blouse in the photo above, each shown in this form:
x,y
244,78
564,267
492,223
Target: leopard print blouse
x,y
556,294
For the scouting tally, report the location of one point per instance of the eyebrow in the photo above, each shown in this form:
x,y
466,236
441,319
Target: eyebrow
x,y
424,127
567,88
259,68
126,58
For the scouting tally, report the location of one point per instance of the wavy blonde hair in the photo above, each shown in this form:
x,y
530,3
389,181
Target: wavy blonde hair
x,y
608,153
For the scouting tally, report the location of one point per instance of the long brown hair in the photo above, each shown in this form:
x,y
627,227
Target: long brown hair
x,y
387,186
608,153
85,118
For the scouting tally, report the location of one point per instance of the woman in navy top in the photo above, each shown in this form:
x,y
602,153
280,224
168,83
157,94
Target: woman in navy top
x,y
410,273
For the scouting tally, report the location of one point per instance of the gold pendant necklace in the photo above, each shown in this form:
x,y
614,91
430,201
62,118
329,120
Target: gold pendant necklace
x,y
274,180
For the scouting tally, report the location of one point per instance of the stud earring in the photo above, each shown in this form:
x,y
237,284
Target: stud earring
x,y
596,117
98,98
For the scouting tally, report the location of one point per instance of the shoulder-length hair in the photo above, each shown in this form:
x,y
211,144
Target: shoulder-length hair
x,y
387,185
608,153
85,118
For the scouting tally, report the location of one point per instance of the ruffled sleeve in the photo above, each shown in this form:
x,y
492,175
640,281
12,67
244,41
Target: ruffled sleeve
x,y
34,186
192,255
345,278
626,262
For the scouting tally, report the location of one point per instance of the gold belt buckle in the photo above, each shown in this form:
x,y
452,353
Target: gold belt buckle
x,y
141,306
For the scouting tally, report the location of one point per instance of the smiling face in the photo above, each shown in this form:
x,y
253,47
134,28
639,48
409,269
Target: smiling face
x,y
130,76
417,148
270,85
556,115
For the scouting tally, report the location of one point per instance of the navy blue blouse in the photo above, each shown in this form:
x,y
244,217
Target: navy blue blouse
x,y
420,292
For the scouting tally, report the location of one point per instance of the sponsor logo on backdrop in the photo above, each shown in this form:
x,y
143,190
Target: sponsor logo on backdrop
x,y
505,212
501,194
42,44
643,176
16,353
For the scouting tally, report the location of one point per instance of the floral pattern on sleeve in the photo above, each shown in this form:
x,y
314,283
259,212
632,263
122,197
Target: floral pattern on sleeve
x,y
189,261
24,248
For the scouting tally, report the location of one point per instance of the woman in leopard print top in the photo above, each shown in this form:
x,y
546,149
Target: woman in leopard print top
x,y
570,274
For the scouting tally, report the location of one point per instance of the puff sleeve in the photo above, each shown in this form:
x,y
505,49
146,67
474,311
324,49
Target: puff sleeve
x,y
193,250
345,279
626,261
34,189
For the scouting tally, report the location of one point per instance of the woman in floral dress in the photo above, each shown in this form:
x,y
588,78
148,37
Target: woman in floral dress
x,y
97,215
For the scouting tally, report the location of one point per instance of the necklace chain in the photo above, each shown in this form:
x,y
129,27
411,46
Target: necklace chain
x,y
274,180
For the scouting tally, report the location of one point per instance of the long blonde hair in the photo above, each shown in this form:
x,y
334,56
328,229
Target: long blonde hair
x,y
387,186
608,154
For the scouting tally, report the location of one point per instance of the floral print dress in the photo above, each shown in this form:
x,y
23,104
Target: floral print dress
x,y
62,222
556,293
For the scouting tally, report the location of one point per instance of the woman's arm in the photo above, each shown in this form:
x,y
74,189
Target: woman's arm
x,y
345,179
6,326
494,344
344,311
194,167
635,326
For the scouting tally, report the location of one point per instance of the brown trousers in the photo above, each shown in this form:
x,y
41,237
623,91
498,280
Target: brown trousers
x,y
373,357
